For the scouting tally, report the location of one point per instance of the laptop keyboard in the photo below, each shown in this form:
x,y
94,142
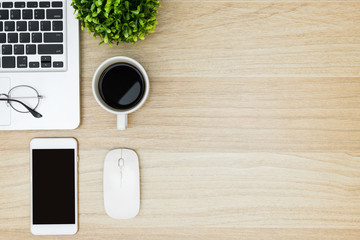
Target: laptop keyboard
x,y
32,36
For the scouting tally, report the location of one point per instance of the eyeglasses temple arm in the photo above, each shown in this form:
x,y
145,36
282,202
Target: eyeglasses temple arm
x,y
32,111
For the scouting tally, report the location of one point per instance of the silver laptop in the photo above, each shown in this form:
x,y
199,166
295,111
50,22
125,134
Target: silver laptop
x,y
39,65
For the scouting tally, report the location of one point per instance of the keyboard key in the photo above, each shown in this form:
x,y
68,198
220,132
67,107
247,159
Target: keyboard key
x,y
36,37
2,37
39,13
21,26
45,58
34,64
45,64
6,49
8,62
19,4
15,14
53,37
22,62
31,49
33,26
4,14
1,26
58,64
32,4
50,49
9,26
44,4
54,14
7,5
57,26
27,14
18,49
45,25
12,37
56,4
24,37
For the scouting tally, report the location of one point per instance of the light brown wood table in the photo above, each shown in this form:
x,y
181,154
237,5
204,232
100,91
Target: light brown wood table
x,y
251,129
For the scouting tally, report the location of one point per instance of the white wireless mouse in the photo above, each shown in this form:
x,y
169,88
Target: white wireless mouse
x,y
121,184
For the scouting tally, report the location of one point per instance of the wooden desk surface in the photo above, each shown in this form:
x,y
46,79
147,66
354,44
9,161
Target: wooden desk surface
x,y
251,130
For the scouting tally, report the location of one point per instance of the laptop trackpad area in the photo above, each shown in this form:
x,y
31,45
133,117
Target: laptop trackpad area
x,y
5,119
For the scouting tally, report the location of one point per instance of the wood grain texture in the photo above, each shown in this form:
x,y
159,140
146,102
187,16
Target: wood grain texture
x,y
202,233
246,39
251,129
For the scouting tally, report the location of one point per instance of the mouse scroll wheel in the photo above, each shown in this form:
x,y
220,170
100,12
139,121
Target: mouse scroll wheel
x,y
121,162
120,165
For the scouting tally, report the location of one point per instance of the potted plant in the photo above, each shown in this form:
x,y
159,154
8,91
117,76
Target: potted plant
x,y
116,21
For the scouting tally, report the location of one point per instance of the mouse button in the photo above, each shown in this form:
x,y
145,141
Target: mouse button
x,y
131,166
111,172
129,153
130,182
128,175
110,165
113,155
131,161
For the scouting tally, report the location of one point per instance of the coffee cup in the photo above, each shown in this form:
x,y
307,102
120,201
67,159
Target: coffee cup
x,y
121,86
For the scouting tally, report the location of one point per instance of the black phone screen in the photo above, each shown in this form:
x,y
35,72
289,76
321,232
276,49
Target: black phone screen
x,y
53,186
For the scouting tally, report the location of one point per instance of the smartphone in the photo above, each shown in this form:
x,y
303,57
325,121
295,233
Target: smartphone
x,y
54,191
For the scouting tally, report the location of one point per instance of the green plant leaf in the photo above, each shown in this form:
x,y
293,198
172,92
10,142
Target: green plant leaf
x,y
126,32
116,21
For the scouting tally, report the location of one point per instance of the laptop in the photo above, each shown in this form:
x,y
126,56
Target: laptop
x,y
39,65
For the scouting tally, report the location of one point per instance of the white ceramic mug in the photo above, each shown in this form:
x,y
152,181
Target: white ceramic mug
x,y
121,114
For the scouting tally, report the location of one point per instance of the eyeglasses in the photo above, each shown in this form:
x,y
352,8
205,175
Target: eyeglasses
x,y
23,99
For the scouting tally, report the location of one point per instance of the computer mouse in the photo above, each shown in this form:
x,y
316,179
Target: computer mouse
x,y
121,184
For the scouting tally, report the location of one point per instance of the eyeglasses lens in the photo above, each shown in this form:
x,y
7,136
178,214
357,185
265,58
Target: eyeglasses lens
x,y
25,94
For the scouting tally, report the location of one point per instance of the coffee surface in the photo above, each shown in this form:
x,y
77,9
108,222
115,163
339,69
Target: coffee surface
x,y
121,86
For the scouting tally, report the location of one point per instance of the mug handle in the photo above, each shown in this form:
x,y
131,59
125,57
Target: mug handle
x,y
121,121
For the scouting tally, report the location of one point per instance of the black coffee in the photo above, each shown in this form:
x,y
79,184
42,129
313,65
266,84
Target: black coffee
x,y
121,86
